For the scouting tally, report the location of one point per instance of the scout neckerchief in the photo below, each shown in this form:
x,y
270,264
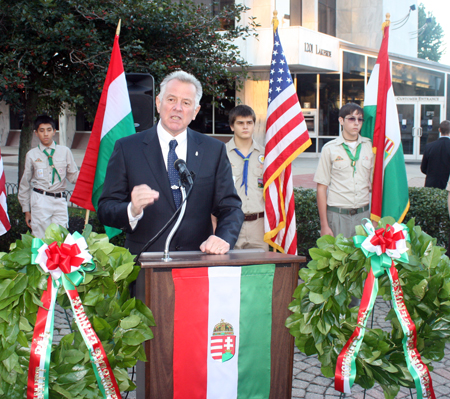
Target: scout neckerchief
x,y
50,162
245,174
350,155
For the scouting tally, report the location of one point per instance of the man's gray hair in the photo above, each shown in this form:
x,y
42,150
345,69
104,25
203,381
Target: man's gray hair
x,y
186,78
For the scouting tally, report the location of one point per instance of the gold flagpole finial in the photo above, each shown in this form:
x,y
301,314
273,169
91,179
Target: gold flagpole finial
x,y
387,22
118,28
275,22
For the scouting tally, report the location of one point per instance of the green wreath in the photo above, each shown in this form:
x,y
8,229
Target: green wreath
x,y
322,322
121,323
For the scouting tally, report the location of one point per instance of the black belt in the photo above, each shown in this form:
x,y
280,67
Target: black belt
x,y
345,211
56,195
253,216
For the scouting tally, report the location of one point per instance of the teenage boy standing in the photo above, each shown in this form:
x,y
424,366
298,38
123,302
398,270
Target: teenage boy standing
x,y
41,189
344,176
247,161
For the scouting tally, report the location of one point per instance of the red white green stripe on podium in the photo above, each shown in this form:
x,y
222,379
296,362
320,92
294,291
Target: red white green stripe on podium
x,y
222,332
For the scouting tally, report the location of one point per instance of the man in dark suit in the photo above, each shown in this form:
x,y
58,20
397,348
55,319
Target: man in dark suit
x,y
436,159
137,195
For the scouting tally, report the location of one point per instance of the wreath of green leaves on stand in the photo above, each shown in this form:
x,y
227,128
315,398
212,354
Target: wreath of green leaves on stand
x,y
322,321
121,323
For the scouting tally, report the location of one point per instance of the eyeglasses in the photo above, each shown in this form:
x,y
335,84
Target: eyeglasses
x,y
353,119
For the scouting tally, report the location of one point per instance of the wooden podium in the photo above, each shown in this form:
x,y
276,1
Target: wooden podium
x,y
155,287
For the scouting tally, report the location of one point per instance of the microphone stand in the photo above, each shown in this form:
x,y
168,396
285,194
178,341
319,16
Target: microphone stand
x,y
166,257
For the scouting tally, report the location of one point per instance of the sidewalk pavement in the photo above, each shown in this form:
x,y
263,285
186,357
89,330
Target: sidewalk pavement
x,y
307,381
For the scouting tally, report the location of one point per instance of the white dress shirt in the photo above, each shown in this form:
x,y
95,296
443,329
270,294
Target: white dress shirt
x,y
164,139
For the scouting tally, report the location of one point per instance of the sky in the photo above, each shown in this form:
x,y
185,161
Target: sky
x,y
441,10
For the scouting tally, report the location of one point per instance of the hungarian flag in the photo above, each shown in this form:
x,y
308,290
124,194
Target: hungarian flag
x,y
113,121
390,195
222,332
4,218
286,137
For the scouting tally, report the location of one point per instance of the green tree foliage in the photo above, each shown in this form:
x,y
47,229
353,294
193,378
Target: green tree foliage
x,y
56,52
429,43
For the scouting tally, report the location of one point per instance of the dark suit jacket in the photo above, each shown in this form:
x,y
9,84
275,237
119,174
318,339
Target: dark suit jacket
x,y
436,163
138,159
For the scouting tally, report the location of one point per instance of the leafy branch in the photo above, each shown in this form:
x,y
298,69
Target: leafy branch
x,y
321,321
121,323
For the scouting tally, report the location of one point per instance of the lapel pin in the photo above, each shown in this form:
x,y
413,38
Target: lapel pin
x,y
196,153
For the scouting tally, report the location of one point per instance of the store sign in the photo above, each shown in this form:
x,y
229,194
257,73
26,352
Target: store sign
x,y
309,48
302,47
422,99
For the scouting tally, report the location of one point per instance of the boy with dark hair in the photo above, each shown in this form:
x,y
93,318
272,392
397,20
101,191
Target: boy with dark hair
x,y
247,160
43,184
344,176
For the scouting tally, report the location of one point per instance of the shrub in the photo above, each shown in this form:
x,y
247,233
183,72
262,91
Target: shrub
x,y
429,208
307,218
76,223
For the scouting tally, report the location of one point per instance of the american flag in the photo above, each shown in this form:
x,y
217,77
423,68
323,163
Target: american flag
x,y
286,137
4,218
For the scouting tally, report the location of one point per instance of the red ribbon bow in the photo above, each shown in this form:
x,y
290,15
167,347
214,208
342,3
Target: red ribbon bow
x,y
63,257
386,238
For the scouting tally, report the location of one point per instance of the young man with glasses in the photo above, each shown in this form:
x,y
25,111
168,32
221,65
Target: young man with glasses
x,y
344,176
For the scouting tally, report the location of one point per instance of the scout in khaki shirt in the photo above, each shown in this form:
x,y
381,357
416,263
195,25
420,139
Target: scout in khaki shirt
x,y
344,176
247,160
41,189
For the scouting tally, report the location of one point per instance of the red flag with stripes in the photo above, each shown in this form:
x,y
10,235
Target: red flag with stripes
x,y
286,137
4,218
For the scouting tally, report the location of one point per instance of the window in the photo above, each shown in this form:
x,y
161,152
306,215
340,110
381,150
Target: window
x,y
214,119
81,123
307,90
15,119
329,106
409,80
296,13
327,17
353,78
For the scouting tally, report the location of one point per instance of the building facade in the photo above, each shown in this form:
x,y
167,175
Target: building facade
x,y
331,48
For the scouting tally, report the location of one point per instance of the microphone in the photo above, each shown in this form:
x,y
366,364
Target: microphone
x,y
182,169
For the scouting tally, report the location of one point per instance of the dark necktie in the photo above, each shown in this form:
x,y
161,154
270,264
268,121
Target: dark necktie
x,y
174,177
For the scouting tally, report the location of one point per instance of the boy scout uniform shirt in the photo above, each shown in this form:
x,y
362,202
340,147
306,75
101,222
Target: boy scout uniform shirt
x,y
253,202
346,189
38,172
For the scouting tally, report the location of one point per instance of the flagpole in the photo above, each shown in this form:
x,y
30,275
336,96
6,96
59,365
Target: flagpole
x,y
86,217
275,21
118,28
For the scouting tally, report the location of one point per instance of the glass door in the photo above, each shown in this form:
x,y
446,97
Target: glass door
x,y
419,125
430,119
407,121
